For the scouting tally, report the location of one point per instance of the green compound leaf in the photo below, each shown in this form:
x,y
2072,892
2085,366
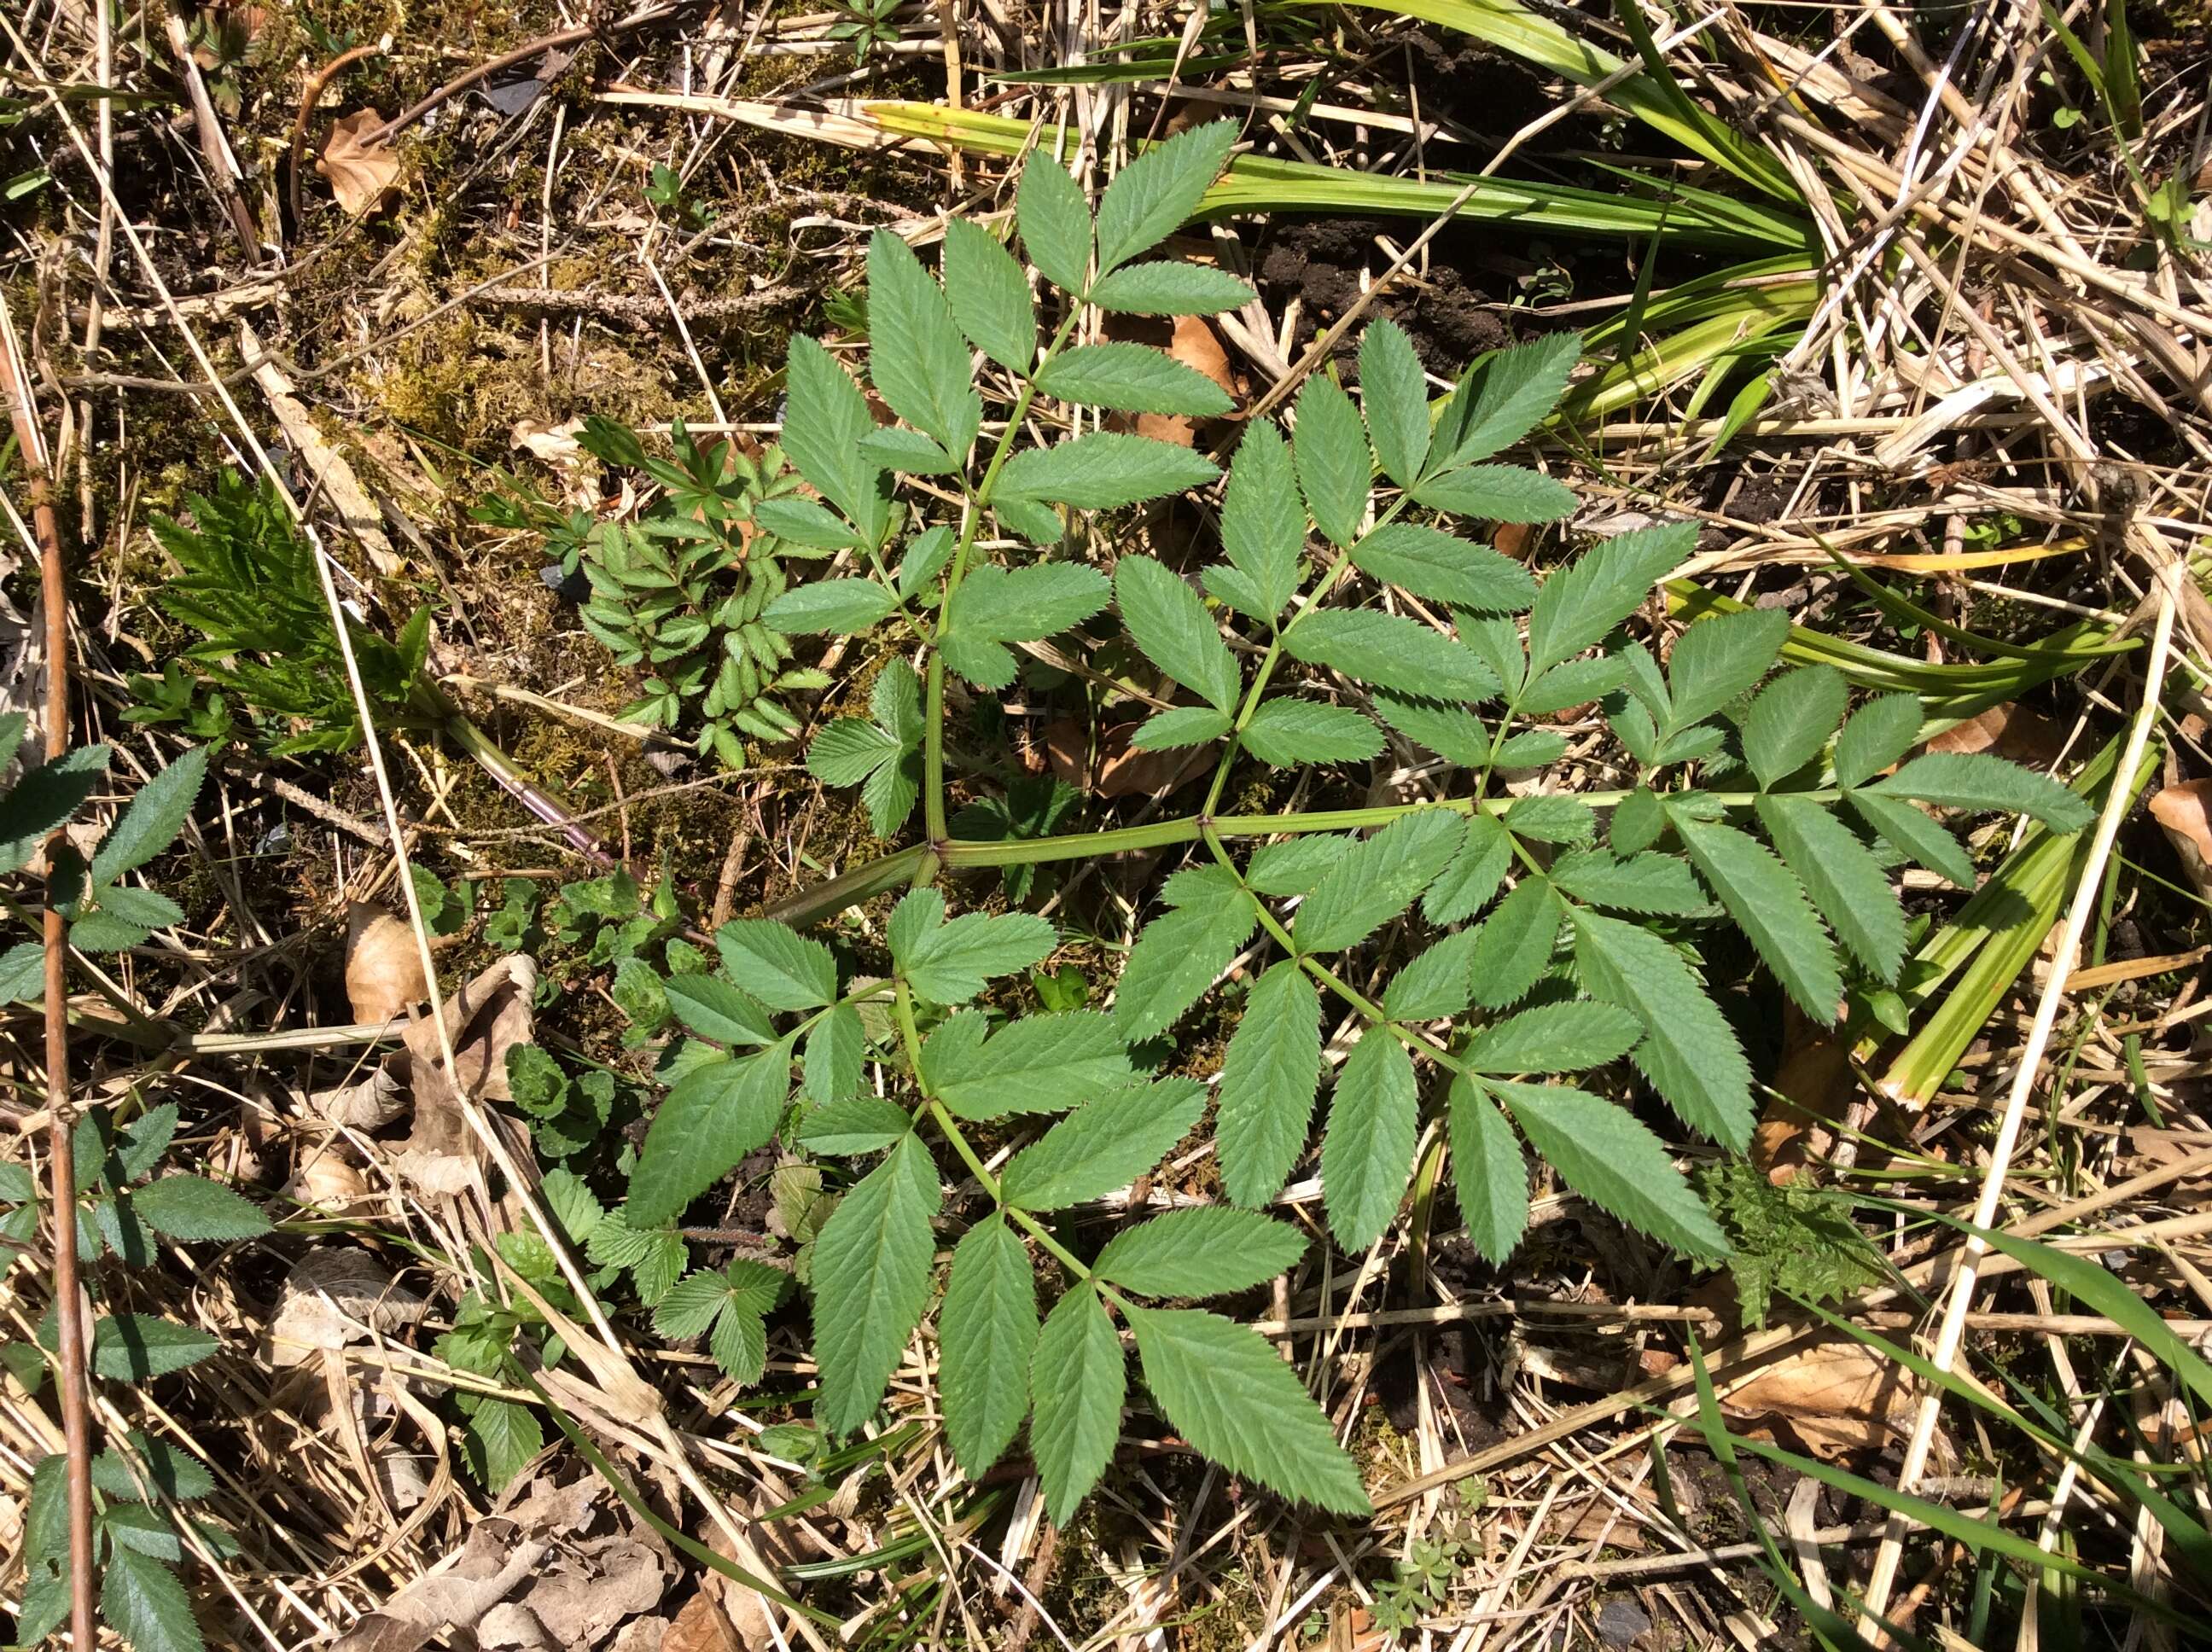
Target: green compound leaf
x,y
1878,733
849,750
1501,398
871,1279
1367,1153
711,1117
1171,624
1846,883
1513,945
1792,720
139,1347
1644,882
1102,1145
825,423
155,815
1563,1037
1040,1063
1446,569
1717,659
783,969
1602,587
1263,528
1132,379
1377,879
1170,289
1611,1160
189,1209
1206,1251
1054,222
1466,884
738,1343
1181,953
1268,1080
916,357
43,798
1103,470
1395,393
1768,902
950,963
1497,492
1333,465
1180,726
1295,865
990,296
1231,1395
1571,683
852,1125
1547,819
1292,734
142,1601
1438,984
995,605
712,1008
1152,196
839,607
1080,1378
1689,1052
1390,652
987,1334
1453,732
1914,836
1488,1171
836,1051
1980,781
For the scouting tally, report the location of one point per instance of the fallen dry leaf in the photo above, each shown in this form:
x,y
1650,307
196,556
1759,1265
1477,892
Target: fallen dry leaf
x,y
383,966
1196,345
1835,1398
485,1020
335,1295
1815,1077
562,1567
2186,811
360,175
327,1183
702,1626
2009,730
1115,770
369,1101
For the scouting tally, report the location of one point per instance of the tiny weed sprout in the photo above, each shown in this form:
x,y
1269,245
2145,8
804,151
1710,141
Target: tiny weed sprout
x,y
936,1077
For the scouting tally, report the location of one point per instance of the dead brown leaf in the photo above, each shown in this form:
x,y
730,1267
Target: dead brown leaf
x,y
485,1020
1196,345
1815,1075
1114,769
335,1295
561,1568
1833,1399
702,1626
2009,730
2186,811
383,965
362,175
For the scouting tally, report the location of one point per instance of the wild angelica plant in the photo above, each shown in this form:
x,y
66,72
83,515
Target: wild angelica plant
x,y
1356,614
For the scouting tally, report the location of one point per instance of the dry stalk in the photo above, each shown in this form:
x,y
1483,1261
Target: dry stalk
x,y
61,1163
1953,1330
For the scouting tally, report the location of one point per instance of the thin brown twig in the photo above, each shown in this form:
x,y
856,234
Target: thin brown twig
x,y
69,1324
316,83
529,49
